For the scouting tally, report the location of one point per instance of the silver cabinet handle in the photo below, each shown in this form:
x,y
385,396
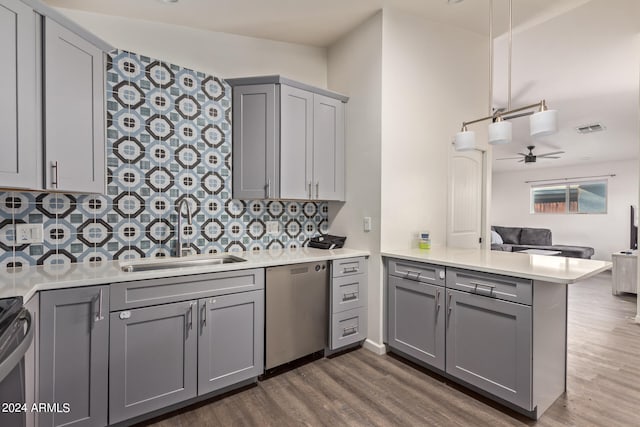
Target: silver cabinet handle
x,y
350,296
349,270
317,189
437,301
310,192
204,313
449,305
268,189
484,288
349,331
100,317
190,313
54,169
410,272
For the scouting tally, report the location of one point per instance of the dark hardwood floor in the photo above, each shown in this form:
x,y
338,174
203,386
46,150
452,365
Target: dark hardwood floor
x,y
361,388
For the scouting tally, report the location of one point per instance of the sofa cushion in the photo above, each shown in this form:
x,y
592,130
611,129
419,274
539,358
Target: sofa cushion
x,y
535,236
510,235
501,247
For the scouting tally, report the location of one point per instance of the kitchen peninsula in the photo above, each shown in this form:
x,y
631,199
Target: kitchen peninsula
x,y
493,321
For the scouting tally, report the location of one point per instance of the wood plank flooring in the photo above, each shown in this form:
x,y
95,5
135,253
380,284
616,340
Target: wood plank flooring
x,y
362,389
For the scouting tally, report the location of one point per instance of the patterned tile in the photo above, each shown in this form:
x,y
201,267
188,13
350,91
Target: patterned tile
x,y
168,138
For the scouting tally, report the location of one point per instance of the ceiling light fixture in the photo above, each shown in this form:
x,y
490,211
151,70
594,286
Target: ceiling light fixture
x,y
542,122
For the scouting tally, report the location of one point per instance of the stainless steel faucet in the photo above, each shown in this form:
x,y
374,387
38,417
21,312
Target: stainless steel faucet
x,y
183,202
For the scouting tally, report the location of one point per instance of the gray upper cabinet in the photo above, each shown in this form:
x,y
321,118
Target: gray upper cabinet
x,y
296,143
18,108
303,129
230,346
328,148
256,154
416,320
489,345
74,131
153,358
73,353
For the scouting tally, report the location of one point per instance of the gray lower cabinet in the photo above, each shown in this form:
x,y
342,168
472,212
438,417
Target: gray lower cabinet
x,y
489,345
348,302
230,340
416,320
153,358
74,355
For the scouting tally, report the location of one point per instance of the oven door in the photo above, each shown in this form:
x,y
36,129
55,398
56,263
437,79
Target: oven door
x,y
14,342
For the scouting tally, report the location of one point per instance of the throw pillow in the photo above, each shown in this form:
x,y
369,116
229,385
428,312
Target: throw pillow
x,y
495,238
510,235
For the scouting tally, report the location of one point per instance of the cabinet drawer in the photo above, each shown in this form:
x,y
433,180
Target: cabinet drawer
x,y
491,285
348,292
141,293
348,327
348,266
418,271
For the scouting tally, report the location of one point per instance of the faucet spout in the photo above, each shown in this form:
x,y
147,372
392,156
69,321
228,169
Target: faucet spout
x,y
184,202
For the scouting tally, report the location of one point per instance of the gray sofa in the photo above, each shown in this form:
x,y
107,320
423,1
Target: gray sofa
x,y
520,238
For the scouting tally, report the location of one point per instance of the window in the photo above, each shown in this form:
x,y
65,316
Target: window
x,y
575,197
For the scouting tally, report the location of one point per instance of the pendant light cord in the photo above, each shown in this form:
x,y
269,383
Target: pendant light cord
x,y
510,51
490,57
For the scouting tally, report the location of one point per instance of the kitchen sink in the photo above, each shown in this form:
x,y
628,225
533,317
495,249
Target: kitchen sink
x,y
182,263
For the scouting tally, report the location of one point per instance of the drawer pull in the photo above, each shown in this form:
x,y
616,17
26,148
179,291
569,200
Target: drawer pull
x,y
350,296
483,288
350,270
437,301
349,331
449,305
410,272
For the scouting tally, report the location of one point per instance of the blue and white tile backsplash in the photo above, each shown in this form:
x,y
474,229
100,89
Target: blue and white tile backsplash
x,y
168,138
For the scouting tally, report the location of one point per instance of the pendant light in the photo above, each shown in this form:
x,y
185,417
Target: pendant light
x,y
542,122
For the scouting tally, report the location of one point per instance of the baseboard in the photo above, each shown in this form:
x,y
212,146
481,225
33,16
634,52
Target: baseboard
x,y
374,347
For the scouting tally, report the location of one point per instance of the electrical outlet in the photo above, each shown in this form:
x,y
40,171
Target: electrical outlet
x,y
273,227
367,223
28,233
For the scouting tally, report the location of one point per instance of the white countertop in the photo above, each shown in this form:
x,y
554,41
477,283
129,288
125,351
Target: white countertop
x,y
29,280
536,267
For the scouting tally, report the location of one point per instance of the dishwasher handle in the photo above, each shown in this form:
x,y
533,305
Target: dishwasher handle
x,y
10,362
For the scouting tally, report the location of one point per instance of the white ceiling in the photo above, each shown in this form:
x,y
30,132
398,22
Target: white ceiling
x,y
314,22
580,55
585,64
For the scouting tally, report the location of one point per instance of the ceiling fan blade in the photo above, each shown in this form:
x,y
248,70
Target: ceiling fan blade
x,y
522,154
508,158
521,160
553,153
549,157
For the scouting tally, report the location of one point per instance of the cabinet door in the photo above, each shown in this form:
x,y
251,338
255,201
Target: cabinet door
x,y
18,117
256,137
328,148
416,320
74,339
153,359
31,359
231,343
296,143
489,345
74,112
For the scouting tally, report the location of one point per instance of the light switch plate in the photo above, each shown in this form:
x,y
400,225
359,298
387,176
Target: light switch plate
x,y
28,233
367,223
273,227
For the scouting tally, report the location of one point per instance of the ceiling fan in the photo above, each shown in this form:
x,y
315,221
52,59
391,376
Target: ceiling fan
x,y
531,158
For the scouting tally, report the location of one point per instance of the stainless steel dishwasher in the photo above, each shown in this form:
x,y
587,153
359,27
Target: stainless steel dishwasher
x,y
296,312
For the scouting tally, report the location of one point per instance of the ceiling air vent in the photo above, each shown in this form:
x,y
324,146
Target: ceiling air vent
x,y
595,127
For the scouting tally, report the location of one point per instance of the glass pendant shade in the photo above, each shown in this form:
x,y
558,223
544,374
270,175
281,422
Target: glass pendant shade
x,y
465,140
544,123
500,132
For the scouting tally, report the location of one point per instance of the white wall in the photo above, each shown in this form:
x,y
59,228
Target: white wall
x,y
220,54
433,77
354,68
606,233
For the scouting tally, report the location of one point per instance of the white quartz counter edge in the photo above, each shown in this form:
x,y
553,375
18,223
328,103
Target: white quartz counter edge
x,y
28,281
553,269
